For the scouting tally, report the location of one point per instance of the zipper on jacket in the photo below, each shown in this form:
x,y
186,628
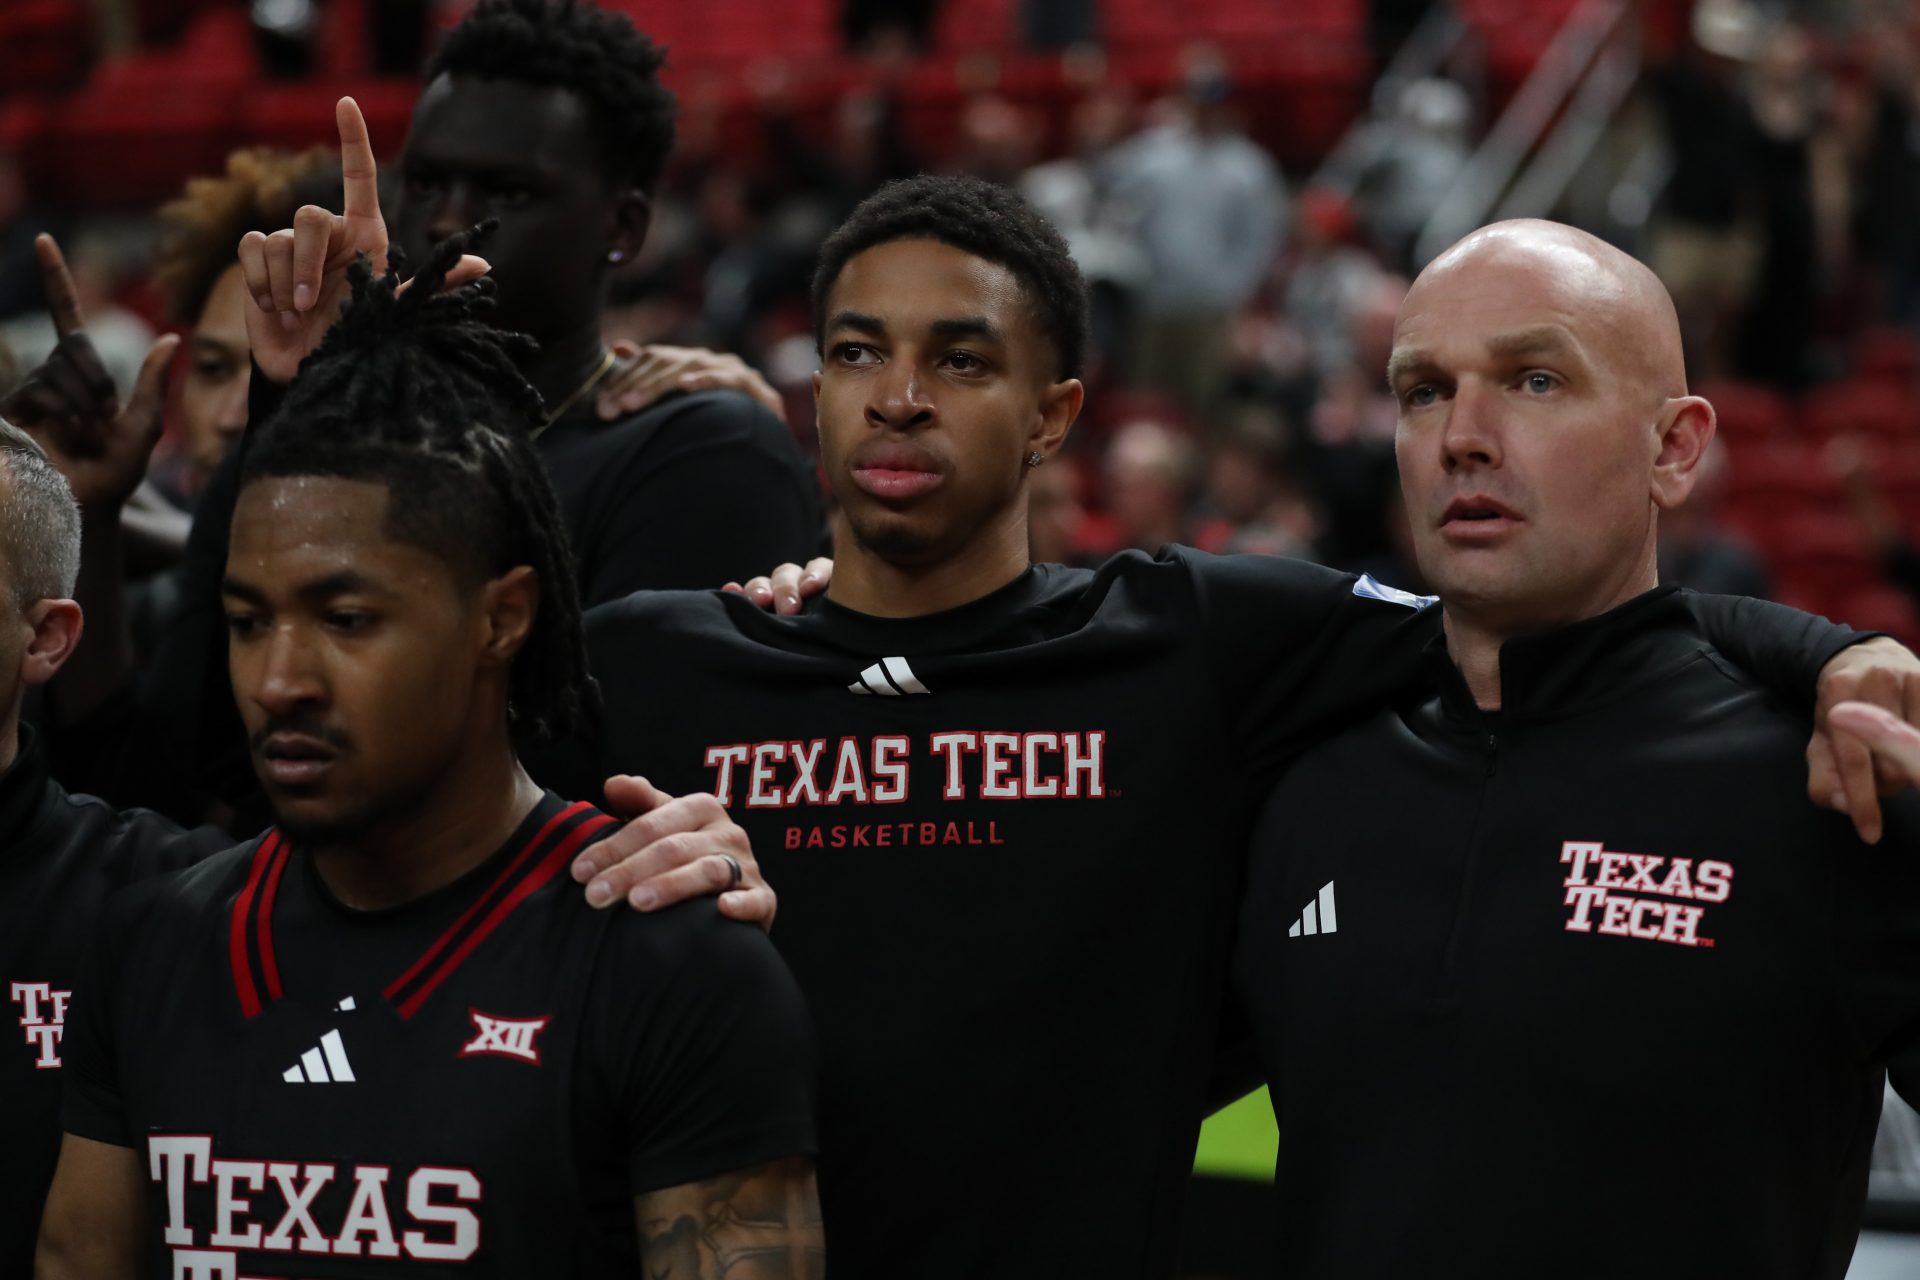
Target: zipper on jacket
x,y
1456,934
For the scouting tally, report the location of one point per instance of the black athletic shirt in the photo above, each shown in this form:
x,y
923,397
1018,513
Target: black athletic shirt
x,y
487,1075
1008,841
1582,988
61,857
695,490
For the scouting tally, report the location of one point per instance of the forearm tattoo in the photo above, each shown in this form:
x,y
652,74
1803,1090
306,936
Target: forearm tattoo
x,y
757,1224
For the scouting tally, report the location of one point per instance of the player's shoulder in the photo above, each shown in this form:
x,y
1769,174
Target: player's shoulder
x,y
709,419
644,615
178,904
135,842
1256,582
693,943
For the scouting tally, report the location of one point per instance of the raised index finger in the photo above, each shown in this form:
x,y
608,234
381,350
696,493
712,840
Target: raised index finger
x,y
358,175
62,301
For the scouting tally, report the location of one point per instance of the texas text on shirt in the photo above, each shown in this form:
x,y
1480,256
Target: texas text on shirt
x,y
1582,987
61,858
1008,840
484,1076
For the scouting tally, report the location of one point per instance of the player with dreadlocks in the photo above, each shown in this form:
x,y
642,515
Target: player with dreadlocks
x,y
249,1053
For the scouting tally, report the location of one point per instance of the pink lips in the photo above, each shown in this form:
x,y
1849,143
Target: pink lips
x,y
896,472
1477,519
292,760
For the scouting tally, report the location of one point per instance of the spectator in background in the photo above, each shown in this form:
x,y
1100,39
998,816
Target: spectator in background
x,y
1899,554
20,222
996,141
1331,281
1784,103
199,278
1076,193
1055,512
1705,242
1211,208
1251,492
1695,549
1151,473
1401,167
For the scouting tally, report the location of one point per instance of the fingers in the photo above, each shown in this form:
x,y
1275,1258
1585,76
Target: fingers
x,y
669,839
647,377
62,299
786,589
465,271
146,408
1886,735
358,173
629,797
315,231
750,906
1823,774
759,591
253,268
1862,794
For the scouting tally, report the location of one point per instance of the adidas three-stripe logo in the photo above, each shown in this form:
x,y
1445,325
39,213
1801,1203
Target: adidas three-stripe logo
x,y
326,1063
1318,917
889,677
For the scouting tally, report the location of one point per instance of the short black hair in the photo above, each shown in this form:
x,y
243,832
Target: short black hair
x,y
976,217
579,46
416,392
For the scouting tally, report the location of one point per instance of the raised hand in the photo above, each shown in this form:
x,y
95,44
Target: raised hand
x,y
71,407
298,276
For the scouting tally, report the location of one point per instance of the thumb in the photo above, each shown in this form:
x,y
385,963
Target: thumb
x,y
146,409
631,796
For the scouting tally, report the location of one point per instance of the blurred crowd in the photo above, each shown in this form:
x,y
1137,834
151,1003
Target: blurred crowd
x,y
1243,316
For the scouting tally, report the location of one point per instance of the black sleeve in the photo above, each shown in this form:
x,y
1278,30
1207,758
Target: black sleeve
x,y
1875,926
1297,650
1783,648
1901,563
186,685
719,493
705,1044
92,1105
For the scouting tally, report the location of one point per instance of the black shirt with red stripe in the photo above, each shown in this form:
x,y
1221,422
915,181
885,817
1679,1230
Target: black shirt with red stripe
x,y
486,1075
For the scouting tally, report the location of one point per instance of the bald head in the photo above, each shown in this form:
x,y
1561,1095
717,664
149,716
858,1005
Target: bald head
x,y
1613,308
1544,424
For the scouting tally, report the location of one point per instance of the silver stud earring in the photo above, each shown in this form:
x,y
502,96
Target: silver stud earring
x,y
616,256
1034,459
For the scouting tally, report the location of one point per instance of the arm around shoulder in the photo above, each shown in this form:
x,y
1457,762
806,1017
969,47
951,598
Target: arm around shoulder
x,y
763,1221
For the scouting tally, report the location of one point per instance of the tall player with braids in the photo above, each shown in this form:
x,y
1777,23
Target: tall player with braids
x,y
389,1034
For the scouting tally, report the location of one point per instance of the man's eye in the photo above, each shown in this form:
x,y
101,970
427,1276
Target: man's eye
x,y
854,353
512,194
1540,383
242,625
212,370
965,362
1422,396
349,620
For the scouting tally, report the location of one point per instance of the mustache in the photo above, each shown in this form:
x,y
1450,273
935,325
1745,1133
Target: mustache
x,y
306,727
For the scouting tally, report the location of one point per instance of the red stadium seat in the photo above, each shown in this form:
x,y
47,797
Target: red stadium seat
x,y
1886,355
44,45
1881,608
1747,412
1828,549
1779,476
1876,409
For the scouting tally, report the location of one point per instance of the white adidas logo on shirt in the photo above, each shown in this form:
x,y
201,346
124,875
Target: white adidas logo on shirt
x,y
1318,917
325,1063
890,678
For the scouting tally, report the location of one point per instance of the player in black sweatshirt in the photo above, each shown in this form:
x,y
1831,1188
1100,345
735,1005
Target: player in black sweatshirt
x,y
1006,804
1554,968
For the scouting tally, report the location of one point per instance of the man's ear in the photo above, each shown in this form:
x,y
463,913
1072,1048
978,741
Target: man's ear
x,y
632,216
508,606
1059,407
56,625
1686,428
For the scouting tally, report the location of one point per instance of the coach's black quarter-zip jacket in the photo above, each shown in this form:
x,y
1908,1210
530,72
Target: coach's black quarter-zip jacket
x,y
61,856
1583,988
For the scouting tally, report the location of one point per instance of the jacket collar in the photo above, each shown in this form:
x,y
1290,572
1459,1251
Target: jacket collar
x,y
1572,667
23,788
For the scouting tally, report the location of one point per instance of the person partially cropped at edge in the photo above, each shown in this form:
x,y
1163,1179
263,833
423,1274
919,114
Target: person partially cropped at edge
x,y
254,1037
